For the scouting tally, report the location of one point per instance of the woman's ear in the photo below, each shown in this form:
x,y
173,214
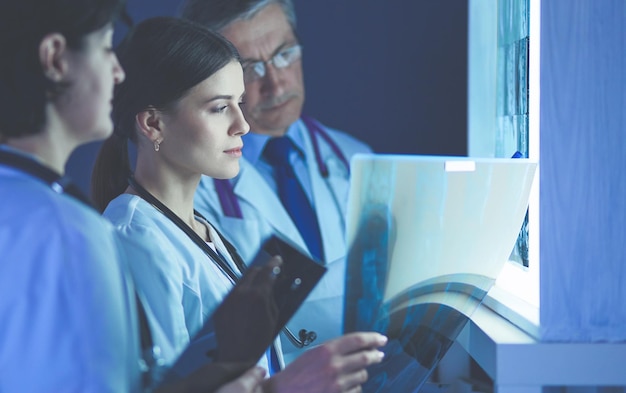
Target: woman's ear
x,y
52,55
150,125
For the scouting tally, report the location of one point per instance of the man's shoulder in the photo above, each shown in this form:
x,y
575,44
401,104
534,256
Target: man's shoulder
x,y
347,142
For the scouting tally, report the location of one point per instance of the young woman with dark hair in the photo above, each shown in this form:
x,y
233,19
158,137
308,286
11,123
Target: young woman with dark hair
x,y
180,106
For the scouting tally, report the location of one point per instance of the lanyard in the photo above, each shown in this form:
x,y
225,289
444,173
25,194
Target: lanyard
x,y
224,188
63,185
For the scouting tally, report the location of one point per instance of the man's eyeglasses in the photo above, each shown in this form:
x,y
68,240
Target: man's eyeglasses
x,y
255,70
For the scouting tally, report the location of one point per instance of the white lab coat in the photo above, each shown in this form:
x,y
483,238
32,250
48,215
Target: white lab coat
x,y
180,285
264,215
67,307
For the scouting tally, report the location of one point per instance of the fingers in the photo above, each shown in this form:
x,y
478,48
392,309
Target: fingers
x,y
361,359
353,373
350,382
252,378
336,366
356,389
276,260
358,351
357,341
272,269
274,266
249,382
262,276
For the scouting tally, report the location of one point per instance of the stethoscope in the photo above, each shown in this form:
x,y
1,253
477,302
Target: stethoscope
x,y
224,188
304,338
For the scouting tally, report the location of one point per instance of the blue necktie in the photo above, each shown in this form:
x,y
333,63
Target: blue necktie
x,y
292,194
272,360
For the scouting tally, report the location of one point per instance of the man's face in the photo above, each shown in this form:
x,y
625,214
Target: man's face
x,y
275,100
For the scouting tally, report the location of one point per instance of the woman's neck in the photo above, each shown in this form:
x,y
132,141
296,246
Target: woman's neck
x,y
174,191
45,148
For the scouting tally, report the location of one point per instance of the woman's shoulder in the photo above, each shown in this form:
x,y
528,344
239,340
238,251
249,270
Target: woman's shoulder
x,y
130,210
46,224
33,202
138,220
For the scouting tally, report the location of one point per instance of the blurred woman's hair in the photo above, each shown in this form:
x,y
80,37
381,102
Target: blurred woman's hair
x,y
24,88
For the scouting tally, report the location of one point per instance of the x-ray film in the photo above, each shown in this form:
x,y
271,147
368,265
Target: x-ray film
x,y
427,237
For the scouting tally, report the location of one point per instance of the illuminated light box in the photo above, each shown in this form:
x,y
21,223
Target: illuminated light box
x,y
427,236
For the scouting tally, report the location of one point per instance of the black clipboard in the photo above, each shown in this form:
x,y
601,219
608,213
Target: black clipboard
x,y
252,315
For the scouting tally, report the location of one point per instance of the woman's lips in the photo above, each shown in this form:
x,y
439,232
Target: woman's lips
x,y
235,152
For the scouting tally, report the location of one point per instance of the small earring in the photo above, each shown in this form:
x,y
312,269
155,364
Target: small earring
x,y
53,76
157,145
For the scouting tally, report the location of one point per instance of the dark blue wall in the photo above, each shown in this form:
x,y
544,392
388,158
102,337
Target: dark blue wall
x,y
391,72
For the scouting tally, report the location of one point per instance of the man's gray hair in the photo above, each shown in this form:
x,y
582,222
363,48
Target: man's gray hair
x,y
217,14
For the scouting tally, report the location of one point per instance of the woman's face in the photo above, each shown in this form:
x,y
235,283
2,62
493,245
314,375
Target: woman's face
x,y
93,71
202,133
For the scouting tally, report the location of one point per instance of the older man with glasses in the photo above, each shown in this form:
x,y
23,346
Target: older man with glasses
x,y
295,177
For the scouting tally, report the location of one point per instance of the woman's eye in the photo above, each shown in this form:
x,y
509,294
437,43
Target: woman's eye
x,y
220,109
